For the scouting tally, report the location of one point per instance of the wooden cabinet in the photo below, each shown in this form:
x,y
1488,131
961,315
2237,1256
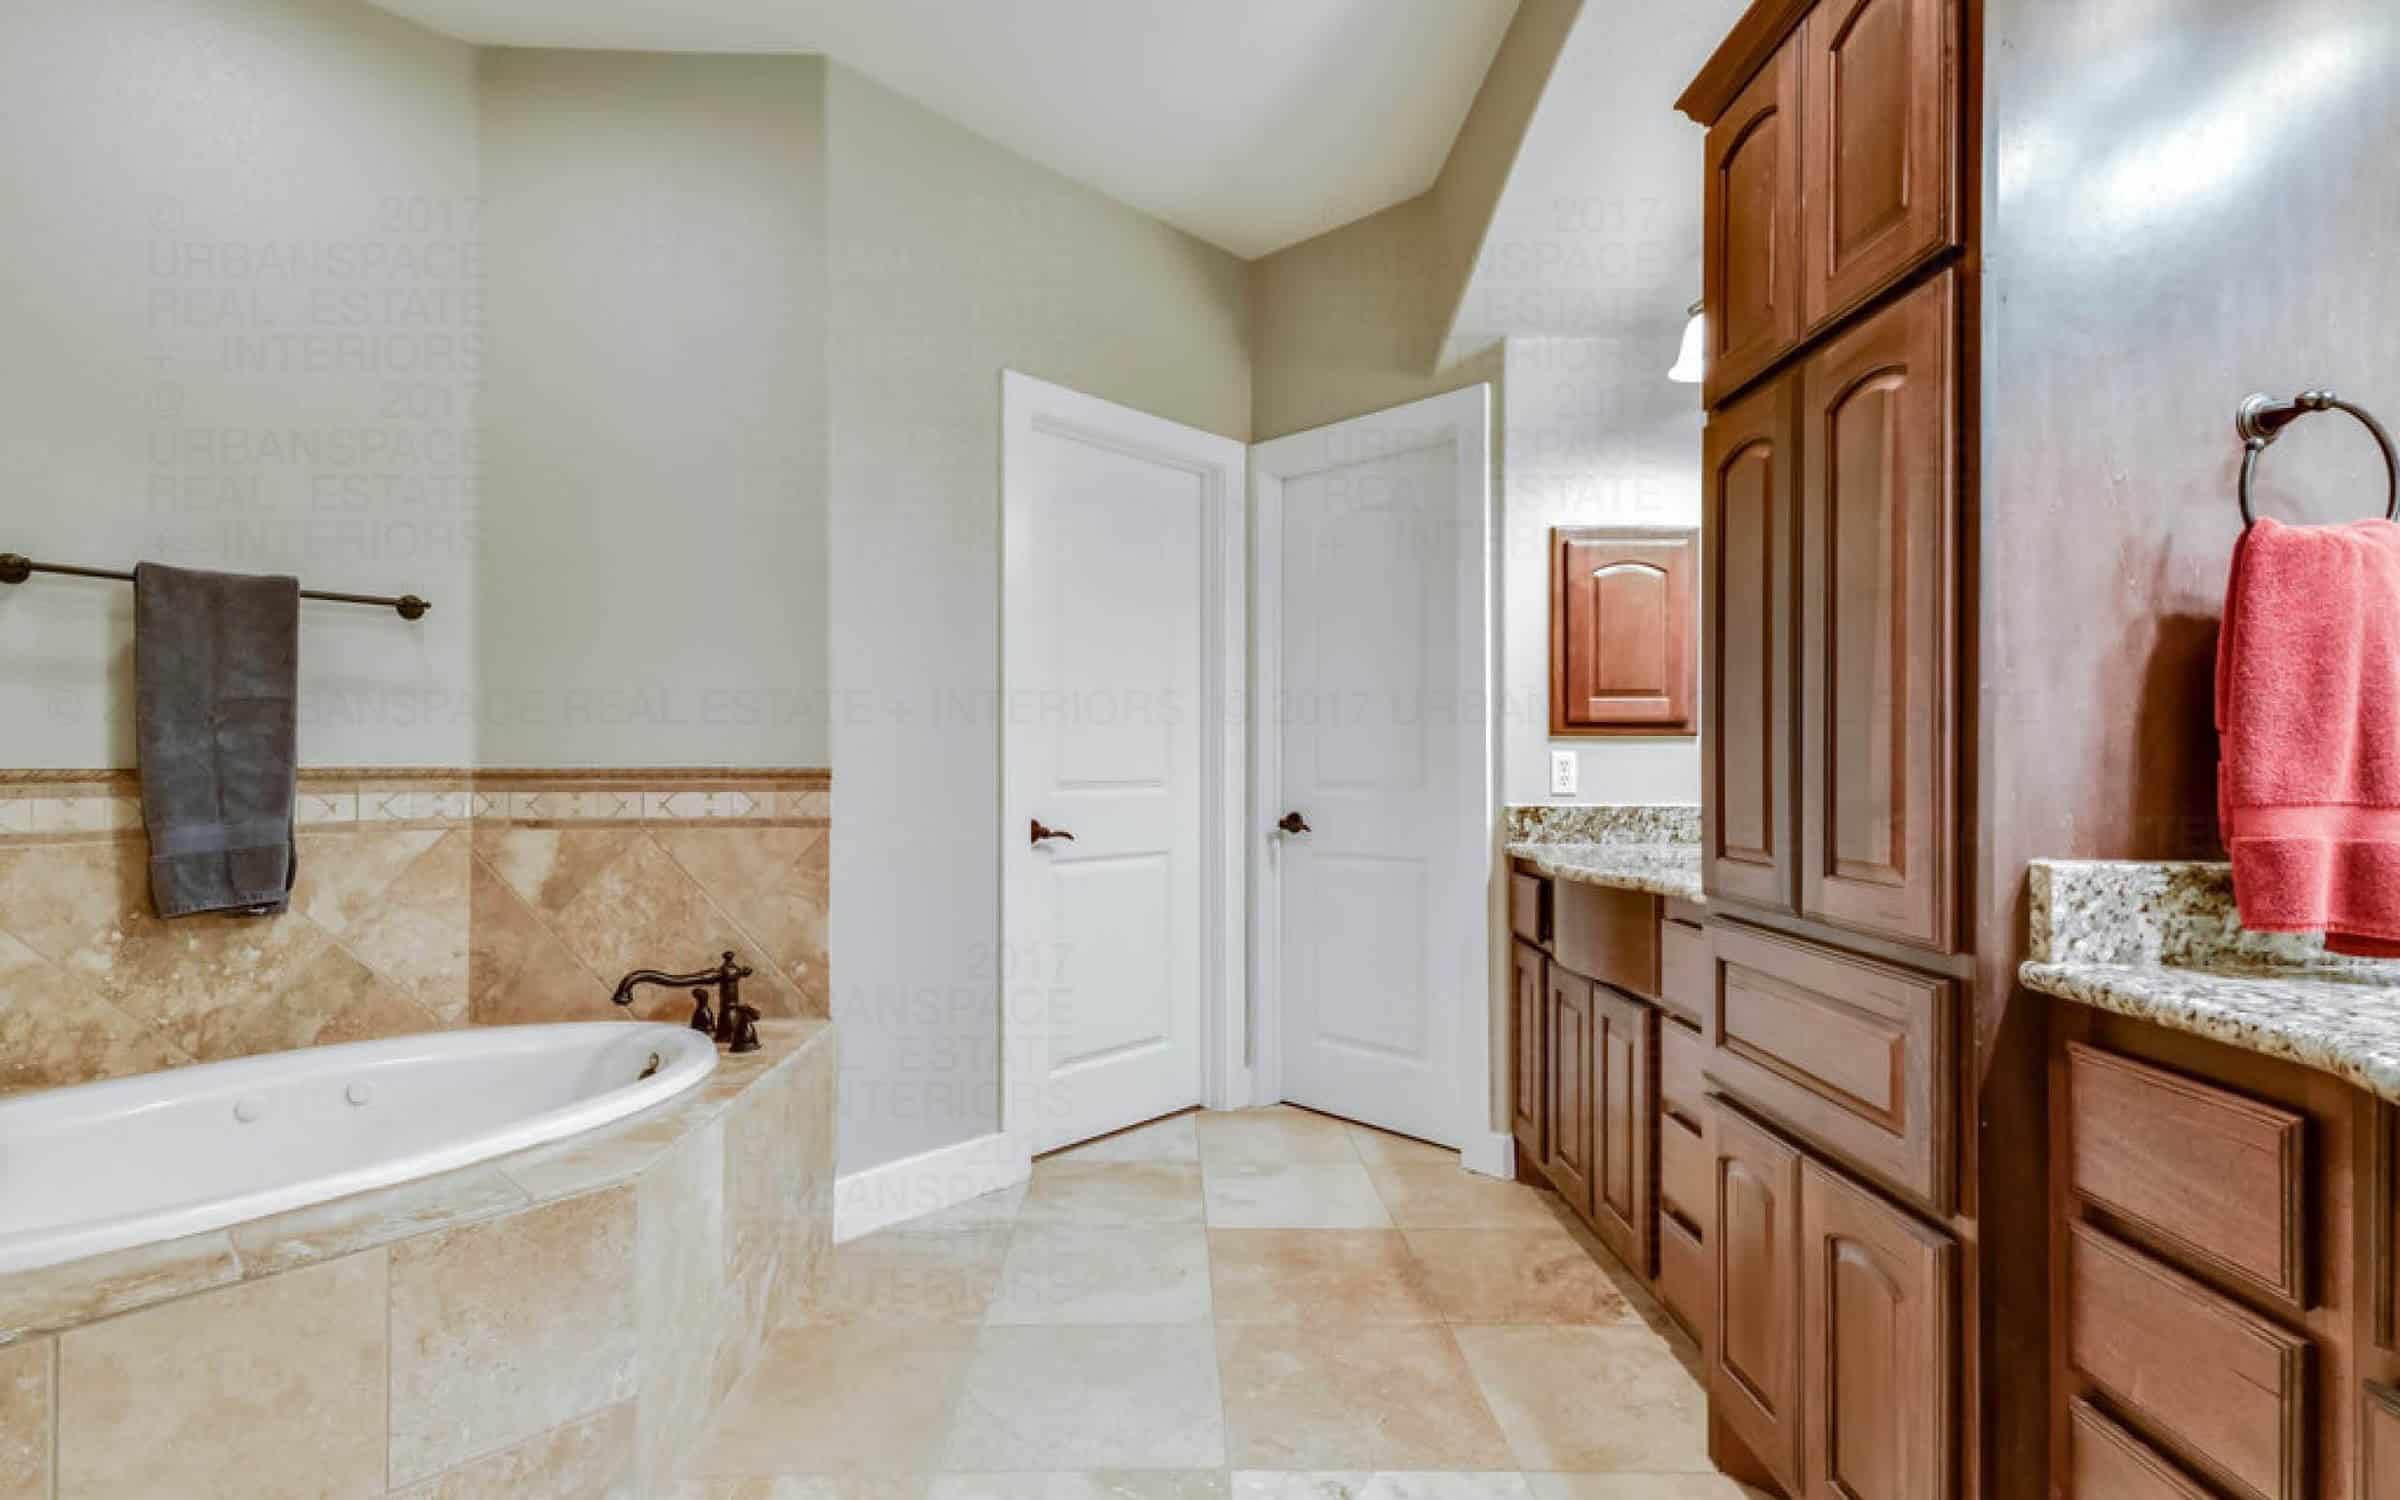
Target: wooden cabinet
x,y
1750,532
2379,1435
1624,1194
1754,1344
1751,264
1529,1031
1878,623
1879,1347
2105,1462
1568,1161
1623,602
1879,147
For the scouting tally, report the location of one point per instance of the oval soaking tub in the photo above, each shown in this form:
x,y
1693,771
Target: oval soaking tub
x,y
107,1166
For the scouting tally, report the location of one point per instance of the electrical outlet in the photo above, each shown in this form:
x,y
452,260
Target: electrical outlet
x,y
1564,771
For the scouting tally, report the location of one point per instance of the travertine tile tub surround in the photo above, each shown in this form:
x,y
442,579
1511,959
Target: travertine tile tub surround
x,y
425,899
560,1322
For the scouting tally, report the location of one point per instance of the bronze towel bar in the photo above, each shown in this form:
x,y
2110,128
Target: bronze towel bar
x,y
16,568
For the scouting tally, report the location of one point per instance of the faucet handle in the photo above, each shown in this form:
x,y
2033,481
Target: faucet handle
x,y
745,1028
703,1020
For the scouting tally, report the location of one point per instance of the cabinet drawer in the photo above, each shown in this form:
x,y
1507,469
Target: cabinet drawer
x,y
1684,1275
1529,907
1682,1090
2225,1385
1682,970
1854,1056
1606,934
1686,1170
2209,1175
2105,1462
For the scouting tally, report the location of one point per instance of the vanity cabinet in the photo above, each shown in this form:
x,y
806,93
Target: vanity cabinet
x,y
1754,1344
1624,1201
1570,1128
2222,1255
1529,1040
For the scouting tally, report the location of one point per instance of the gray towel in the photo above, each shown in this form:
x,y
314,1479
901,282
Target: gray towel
x,y
216,668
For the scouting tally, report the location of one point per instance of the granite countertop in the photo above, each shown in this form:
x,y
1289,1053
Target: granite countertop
x,y
1660,869
2161,943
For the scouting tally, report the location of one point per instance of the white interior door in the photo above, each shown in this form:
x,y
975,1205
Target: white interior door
x,y
1123,580
1373,641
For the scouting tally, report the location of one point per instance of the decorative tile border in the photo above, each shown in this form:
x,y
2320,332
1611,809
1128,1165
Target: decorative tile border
x,y
70,806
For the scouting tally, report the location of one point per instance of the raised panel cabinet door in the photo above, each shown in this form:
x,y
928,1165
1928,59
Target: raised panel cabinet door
x,y
1750,278
1879,146
1750,554
1878,1346
1754,1347
1625,1140
1622,605
2379,1441
1531,1033
1568,1164
1879,624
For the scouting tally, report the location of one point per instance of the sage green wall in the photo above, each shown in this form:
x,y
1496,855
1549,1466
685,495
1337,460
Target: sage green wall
x,y
953,260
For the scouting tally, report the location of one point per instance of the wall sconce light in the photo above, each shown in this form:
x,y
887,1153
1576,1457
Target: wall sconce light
x,y
1694,358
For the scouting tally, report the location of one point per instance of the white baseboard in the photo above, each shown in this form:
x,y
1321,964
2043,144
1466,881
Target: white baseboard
x,y
1490,1152
928,1182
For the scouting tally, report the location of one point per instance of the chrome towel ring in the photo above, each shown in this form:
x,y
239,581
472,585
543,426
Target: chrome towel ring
x,y
2262,419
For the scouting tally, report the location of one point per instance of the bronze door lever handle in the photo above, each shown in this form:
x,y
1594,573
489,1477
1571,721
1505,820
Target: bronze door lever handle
x,y
1042,831
1294,824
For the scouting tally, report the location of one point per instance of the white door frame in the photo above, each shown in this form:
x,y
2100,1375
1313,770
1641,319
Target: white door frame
x,y
1463,419
1029,406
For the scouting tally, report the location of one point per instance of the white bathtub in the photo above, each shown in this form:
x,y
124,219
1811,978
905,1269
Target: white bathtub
x,y
107,1166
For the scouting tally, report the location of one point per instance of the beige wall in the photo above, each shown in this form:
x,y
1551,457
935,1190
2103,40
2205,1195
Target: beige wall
x,y
653,566
241,324
953,260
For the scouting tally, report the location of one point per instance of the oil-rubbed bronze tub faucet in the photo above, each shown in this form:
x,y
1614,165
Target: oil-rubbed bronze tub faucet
x,y
733,1024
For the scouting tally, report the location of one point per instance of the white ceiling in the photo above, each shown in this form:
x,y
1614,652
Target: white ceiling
x,y
1597,234
1252,124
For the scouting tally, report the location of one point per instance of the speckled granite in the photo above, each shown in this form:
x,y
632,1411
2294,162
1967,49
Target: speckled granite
x,y
1604,823
2161,943
1660,869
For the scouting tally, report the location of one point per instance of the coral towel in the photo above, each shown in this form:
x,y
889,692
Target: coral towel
x,y
2308,724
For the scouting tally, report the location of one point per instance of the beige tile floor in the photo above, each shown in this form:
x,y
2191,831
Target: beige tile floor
x,y
1261,1305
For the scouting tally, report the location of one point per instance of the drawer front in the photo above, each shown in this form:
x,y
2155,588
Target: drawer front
x,y
2209,1175
1684,1275
1685,1169
1682,970
1682,1084
2105,1462
1606,934
1852,1055
2225,1385
1529,907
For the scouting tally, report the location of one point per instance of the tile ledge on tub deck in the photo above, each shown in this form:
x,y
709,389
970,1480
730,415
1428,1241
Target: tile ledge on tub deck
x,y
83,1291
1655,869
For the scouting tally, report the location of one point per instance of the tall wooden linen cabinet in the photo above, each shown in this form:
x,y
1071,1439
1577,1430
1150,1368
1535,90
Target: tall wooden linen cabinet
x,y
1845,1349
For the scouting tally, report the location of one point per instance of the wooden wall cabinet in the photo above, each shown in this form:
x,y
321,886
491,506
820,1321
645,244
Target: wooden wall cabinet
x,y
1568,1163
1750,276
1879,623
1879,153
1623,660
1750,539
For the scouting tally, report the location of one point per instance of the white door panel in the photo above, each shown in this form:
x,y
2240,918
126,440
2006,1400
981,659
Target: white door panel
x,y
1106,725
1372,549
